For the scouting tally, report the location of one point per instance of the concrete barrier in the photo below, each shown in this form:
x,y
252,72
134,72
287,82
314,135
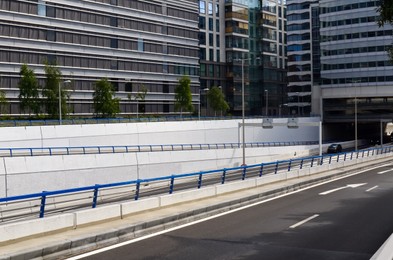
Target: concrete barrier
x,y
89,216
385,252
128,208
240,185
41,226
185,196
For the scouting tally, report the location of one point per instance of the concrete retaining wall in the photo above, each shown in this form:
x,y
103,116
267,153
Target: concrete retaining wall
x,y
215,131
24,175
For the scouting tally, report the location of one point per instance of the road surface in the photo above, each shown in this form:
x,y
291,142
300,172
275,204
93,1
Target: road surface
x,y
348,218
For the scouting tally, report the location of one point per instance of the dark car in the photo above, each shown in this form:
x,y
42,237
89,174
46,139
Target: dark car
x,y
334,148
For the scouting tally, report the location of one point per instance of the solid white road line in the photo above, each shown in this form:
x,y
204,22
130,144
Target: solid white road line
x,y
382,172
372,188
215,216
304,221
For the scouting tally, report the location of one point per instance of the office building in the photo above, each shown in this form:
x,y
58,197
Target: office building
x,y
133,43
356,74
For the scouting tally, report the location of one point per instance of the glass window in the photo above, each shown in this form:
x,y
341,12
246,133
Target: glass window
x,y
202,7
41,8
211,8
140,45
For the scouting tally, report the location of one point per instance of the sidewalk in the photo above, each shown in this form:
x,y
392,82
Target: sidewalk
x,y
90,237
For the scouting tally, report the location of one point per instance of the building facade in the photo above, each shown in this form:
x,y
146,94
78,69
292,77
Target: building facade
x,y
356,73
255,46
303,54
132,43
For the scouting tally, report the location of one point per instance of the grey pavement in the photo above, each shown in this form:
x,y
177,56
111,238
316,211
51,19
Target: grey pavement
x,y
61,245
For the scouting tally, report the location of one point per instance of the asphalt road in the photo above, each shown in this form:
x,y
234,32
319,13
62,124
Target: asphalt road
x,y
330,221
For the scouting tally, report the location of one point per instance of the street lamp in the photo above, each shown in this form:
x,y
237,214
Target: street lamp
x,y
267,101
243,115
65,82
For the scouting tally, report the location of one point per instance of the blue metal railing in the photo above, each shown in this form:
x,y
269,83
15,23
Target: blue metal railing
x,y
39,151
203,178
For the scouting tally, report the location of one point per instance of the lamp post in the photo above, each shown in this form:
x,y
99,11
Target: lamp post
x,y
356,120
267,101
67,81
243,115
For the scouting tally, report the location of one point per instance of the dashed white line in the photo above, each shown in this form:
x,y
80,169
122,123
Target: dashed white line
x,y
372,188
304,221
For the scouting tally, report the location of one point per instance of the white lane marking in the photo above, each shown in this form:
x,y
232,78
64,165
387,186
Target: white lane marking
x,y
382,172
341,188
372,188
304,221
215,216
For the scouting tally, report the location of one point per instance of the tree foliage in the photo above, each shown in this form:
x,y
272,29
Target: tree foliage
x,y
183,97
29,90
216,100
3,102
385,9
105,105
50,92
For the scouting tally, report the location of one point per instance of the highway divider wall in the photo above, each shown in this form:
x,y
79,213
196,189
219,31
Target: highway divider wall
x,y
14,231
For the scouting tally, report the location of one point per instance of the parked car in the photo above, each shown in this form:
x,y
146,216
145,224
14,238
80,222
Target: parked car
x,y
334,148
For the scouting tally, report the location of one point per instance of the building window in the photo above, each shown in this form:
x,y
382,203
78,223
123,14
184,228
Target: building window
x,y
41,8
114,43
210,24
140,45
211,8
202,7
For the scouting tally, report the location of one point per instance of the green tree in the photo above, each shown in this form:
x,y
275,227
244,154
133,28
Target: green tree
x,y
51,94
183,97
216,100
385,9
139,96
28,91
105,105
3,102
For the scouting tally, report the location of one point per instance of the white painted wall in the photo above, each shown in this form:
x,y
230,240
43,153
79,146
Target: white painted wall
x,y
216,131
22,175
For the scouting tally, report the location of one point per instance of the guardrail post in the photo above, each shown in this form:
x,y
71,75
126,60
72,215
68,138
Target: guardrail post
x,y
261,170
301,164
276,169
312,162
321,160
68,151
224,173
362,154
200,181
95,196
244,172
42,206
351,155
113,149
99,149
137,189
345,156
289,165
10,152
368,153
330,159
338,157
172,184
